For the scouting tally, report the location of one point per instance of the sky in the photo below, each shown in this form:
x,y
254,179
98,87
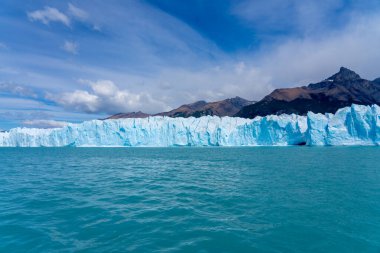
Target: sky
x,y
70,61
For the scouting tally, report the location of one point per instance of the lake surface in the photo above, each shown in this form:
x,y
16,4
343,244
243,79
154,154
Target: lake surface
x,y
266,199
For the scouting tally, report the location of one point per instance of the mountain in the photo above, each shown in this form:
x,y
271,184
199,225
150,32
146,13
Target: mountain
x,y
340,90
227,107
138,114
184,110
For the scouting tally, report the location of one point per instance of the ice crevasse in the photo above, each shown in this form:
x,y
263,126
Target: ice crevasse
x,y
355,125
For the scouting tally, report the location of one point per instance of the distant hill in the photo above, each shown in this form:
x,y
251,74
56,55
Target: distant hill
x,y
227,107
138,114
342,89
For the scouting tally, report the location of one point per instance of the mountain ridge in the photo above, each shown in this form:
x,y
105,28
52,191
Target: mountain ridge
x,y
135,115
226,107
339,90
342,89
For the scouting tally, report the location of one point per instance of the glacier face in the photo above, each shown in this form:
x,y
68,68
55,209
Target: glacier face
x,y
355,125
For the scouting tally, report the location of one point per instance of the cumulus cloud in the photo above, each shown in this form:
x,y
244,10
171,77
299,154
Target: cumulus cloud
x,y
168,89
44,123
70,47
105,97
47,15
80,100
77,12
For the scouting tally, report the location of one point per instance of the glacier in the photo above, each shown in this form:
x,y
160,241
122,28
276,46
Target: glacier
x,y
355,125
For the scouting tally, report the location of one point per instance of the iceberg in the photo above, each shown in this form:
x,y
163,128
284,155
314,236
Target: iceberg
x,y
355,125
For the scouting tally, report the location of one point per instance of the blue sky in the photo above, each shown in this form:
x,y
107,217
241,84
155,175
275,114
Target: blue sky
x,y
69,61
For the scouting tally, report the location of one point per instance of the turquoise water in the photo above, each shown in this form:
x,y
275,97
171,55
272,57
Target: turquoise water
x,y
291,199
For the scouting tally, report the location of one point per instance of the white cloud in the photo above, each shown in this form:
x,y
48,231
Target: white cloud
x,y
319,41
177,86
106,97
49,14
307,16
79,100
8,115
77,12
17,89
70,47
45,123
311,59
160,57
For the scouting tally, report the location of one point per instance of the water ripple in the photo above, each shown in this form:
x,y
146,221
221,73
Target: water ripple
x,y
293,199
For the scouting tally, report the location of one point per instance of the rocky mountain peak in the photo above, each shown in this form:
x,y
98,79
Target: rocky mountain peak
x,y
340,90
344,74
377,81
344,77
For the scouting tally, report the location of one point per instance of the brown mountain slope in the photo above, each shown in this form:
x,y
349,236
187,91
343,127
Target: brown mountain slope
x,y
138,114
227,107
340,90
